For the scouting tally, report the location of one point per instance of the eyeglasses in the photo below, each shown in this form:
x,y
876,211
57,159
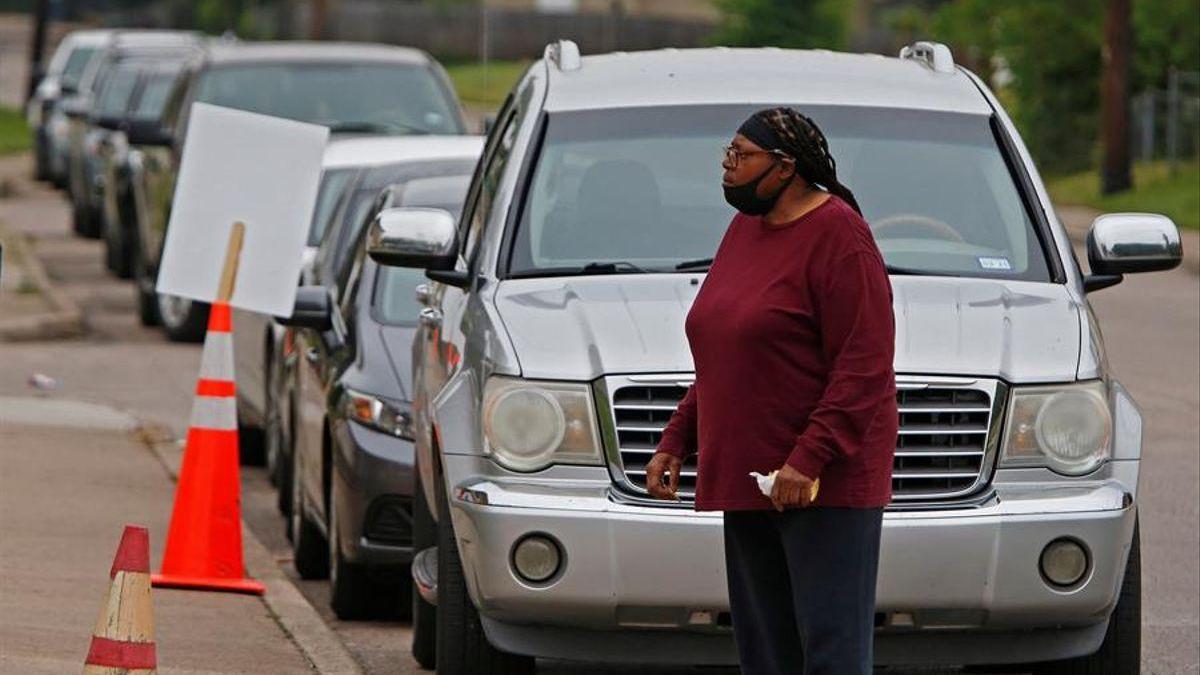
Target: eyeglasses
x,y
734,156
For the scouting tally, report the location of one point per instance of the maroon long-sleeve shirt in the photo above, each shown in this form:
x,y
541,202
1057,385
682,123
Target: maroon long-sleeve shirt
x,y
792,335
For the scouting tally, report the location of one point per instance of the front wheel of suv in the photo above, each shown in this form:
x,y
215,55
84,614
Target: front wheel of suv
x,y
424,615
1121,651
462,646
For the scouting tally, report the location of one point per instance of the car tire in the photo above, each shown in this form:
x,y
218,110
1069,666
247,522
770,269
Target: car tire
x,y
350,589
183,320
143,288
252,449
83,221
462,646
41,164
1121,651
424,615
308,546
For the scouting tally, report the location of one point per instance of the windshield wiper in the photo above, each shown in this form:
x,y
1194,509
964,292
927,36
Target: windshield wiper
x,y
612,267
373,128
700,265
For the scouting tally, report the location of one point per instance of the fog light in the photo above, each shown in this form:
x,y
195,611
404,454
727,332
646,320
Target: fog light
x,y
1064,562
536,558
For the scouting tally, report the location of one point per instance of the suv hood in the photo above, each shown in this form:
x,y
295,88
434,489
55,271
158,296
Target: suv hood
x,y
580,328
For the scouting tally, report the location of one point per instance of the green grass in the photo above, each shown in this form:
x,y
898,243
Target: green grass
x,y
1155,190
14,135
484,87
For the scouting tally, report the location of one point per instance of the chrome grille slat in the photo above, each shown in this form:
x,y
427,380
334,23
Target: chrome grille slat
x,y
945,447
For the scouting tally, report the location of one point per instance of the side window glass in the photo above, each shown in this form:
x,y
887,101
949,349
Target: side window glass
x,y
492,170
472,200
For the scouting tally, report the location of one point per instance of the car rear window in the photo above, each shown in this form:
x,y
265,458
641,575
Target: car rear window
x,y
355,97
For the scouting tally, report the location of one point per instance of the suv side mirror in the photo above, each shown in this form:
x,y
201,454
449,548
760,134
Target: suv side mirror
x,y
1123,243
413,237
147,132
312,309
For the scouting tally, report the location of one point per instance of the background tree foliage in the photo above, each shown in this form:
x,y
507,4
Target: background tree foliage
x,y
783,23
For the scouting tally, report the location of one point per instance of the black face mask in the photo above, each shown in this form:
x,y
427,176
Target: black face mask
x,y
745,197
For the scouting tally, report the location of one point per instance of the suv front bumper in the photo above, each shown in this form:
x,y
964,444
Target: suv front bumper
x,y
952,576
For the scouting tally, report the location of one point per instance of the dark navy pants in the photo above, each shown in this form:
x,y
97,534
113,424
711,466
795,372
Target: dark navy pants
x,y
802,589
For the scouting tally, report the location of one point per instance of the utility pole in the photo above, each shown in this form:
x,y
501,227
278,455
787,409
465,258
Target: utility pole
x,y
1115,174
316,24
41,12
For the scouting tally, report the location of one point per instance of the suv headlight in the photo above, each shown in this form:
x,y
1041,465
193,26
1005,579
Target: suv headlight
x,y
1066,428
529,425
390,417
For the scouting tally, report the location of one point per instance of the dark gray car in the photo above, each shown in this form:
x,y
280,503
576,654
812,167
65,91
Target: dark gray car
x,y
353,482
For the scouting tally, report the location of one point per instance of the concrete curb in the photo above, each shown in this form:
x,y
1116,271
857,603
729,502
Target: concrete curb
x,y
290,609
66,319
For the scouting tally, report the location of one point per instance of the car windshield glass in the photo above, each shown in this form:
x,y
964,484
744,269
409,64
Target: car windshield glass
x,y
154,94
114,98
333,183
641,188
355,97
76,64
395,287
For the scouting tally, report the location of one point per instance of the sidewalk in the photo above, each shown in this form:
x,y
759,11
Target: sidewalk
x,y
71,475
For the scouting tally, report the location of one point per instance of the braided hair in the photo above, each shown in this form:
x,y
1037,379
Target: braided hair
x,y
799,137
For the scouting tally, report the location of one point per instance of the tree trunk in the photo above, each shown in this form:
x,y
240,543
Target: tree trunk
x,y
1115,174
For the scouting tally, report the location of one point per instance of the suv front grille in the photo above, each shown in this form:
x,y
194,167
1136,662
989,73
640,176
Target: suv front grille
x,y
943,449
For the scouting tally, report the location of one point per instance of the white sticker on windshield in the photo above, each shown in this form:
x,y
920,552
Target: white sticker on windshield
x,y
994,263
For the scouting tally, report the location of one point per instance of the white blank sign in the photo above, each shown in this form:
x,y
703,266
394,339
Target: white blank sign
x,y
257,169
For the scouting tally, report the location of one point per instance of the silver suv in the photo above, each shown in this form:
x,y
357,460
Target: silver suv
x,y
552,353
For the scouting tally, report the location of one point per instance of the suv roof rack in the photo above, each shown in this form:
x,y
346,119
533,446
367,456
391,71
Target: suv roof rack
x,y
935,55
564,54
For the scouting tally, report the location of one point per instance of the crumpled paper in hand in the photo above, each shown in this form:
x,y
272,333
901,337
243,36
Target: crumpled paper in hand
x,y
767,482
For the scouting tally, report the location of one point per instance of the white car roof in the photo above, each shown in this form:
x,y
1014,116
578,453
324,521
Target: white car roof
x,y
722,75
375,150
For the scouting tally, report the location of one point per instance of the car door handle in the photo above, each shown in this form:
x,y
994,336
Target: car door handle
x,y
430,317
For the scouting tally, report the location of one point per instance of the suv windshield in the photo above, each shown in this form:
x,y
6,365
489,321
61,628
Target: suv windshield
x,y
639,190
355,97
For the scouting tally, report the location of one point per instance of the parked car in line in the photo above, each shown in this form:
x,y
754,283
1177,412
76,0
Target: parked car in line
x,y
43,112
354,170
353,88
83,136
133,95
351,473
551,353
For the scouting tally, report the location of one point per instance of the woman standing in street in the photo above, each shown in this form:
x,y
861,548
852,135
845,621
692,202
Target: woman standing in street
x,y
792,335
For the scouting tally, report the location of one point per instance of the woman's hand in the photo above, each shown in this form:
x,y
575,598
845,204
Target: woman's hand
x,y
791,488
663,463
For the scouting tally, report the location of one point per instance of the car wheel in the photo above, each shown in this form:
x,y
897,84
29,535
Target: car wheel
x,y
286,452
117,255
462,646
1121,651
350,591
41,167
182,319
83,221
424,615
143,288
308,546
272,422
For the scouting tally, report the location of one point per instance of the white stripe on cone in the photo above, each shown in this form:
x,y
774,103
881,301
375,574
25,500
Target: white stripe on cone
x,y
209,412
216,362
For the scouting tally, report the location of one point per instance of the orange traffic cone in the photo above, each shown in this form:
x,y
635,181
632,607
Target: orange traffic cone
x,y
204,543
123,639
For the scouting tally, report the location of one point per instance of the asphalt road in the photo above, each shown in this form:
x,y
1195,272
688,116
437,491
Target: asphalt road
x,y
1151,325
